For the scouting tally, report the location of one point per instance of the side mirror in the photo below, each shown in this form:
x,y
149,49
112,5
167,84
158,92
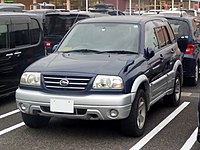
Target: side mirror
x,y
149,53
182,44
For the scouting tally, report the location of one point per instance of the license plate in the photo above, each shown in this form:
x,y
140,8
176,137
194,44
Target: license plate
x,y
63,106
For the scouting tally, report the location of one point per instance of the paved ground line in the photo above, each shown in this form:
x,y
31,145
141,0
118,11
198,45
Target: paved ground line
x,y
12,128
190,142
159,127
9,113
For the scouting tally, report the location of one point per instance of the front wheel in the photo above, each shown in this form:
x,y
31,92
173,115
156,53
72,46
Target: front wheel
x,y
174,98
134,125
33,121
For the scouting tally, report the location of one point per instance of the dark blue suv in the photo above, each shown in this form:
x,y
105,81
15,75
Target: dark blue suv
x,y
106,68
189,28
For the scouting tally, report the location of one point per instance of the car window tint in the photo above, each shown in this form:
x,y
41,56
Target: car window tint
x,y
160,36
34,31
59,25
171,34
180,28
3,36
21,34
167,41
151,41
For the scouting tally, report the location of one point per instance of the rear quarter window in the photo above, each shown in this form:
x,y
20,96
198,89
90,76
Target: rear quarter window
x,y
3,36
34,32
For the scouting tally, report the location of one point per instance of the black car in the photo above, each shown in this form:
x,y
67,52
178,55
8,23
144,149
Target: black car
x,y
106,68
21,43
57,24
188,27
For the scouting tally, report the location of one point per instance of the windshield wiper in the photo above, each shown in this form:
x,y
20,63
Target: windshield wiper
x,y
82,51
119,52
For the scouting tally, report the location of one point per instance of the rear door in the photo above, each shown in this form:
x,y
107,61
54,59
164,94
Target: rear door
x,y
8,61
26,41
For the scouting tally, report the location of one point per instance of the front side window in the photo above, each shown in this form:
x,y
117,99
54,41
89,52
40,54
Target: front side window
x,y
151,41
103,37
3,36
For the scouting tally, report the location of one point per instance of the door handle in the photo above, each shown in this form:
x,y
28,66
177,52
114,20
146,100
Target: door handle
x,y
9,55
161,58
17,53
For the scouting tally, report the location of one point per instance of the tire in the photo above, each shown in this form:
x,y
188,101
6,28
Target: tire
x,y
134,125
194,80
174,98
33,121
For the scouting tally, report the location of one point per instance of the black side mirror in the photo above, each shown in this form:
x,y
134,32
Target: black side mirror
x,y
182,44
149,53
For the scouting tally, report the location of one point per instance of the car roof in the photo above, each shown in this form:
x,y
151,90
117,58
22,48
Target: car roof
x,y
184,18
122,19
90,14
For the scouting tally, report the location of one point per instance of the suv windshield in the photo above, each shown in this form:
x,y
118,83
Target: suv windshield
x,y
180,28
60,24
102,37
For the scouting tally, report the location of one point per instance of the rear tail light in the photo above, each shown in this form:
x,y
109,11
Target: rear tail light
x,y
48,44
190,49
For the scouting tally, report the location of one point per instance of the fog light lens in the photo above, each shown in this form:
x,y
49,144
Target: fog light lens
x,y
23,106
114,113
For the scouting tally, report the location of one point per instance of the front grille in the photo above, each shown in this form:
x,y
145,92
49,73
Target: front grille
x,y
72,83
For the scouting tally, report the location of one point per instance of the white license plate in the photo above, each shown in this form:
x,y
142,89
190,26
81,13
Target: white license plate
x,y
61,105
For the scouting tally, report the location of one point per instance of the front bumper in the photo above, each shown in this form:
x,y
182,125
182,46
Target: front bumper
x,y
88,107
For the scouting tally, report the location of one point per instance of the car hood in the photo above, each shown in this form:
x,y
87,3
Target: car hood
x,y
110,64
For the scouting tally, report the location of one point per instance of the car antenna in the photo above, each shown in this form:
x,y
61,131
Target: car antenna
x,y
76,19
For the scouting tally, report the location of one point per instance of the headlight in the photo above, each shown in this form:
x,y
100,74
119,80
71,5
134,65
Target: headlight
x,y
108,82
30,78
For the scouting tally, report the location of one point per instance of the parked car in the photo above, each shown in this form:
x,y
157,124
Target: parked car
x,y
42,12
57,24
10,9
116,69
188,27
173,13
20,45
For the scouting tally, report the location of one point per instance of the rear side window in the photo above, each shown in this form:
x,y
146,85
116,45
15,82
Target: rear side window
x,y
3,36
162,36
21,33
34,32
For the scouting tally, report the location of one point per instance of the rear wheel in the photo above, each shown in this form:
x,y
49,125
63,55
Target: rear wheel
x,y
174,98
134,125
194,80
34,121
